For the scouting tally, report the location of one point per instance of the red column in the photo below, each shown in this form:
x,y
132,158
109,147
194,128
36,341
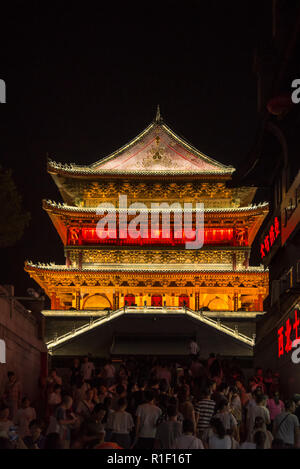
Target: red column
x,y
57,303
197,301
235,301
53,300
260,302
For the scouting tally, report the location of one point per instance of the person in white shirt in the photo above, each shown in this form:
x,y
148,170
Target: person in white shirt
x,y
23,418
109,372
259,426
227,418
121,423
193,348
258,441
87,369
54,397
86,406
168,430
163,373
80,392
5,422
146,423
187,440
235,404
218,438
286,426
257,410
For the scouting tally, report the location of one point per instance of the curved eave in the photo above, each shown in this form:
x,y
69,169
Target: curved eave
x,y
86,172
62,209
141,268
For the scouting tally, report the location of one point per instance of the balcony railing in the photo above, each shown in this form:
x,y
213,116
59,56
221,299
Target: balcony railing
x,y
110,315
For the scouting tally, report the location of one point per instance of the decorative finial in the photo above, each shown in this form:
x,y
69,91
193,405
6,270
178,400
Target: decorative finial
x,y
158,117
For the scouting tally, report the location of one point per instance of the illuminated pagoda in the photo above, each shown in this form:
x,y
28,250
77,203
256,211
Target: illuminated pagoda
x,y
105,283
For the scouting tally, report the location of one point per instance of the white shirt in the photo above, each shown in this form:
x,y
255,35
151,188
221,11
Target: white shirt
x,y
54,398
85,409
23,418
227,419
110,371
188,442
257,411
87,370
149,415
286,424
120,422
247,445
194,349
215,442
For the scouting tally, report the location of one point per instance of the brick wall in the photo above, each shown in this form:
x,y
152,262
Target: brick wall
x,y
19,330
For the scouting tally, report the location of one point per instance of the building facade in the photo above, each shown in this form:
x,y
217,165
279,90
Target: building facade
x,y
274,166
109,269
22,345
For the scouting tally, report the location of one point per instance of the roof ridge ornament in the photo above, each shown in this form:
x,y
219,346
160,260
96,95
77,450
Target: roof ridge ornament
x,y
158,117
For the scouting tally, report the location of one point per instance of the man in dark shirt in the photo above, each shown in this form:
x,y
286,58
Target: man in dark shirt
x,y
35,440
93,426
75,373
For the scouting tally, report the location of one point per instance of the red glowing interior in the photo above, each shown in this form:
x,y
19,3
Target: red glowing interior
x,y
214,236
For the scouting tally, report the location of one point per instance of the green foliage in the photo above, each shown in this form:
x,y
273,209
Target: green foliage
x,y
13,219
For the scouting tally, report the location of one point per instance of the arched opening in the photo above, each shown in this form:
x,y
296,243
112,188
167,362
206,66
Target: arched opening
x,y
97,301
129,300
217,304
156,300
183,300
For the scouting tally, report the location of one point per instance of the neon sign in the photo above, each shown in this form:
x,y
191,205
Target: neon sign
x,y
270,238
287,334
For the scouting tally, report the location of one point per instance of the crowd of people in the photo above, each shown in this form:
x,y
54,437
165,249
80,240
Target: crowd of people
x,y
150,403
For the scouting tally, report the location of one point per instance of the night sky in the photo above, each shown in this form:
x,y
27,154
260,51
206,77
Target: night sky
x,y
83,81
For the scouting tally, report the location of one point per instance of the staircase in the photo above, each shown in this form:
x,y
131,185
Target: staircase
x,y
140,310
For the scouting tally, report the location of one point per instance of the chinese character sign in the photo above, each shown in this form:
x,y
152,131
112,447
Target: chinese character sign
x,y
270,238
288,333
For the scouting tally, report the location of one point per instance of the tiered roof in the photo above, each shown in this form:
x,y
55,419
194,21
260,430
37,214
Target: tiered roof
x,y
157,150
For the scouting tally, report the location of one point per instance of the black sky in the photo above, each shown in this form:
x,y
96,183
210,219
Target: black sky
x,y
82,81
